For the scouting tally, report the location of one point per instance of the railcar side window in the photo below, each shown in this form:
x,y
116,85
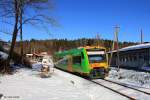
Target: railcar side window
x,y
64,62
77,60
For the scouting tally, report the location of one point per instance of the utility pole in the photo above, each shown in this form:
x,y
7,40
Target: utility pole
x,y
98,39
117,44
141,36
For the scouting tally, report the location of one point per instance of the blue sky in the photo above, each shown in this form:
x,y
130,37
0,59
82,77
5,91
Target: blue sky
x,y
86,18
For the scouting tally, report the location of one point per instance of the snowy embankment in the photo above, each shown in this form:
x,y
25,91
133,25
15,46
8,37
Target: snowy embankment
x,y
26,84
140,80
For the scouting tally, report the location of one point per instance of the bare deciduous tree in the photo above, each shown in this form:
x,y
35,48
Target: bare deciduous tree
x,y
34,12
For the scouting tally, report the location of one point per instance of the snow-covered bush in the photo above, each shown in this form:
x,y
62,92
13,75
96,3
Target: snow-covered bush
x,y
16,60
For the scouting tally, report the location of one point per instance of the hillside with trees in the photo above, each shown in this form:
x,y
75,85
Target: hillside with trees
x,y
55,45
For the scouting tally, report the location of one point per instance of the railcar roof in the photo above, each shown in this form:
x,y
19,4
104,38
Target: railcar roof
x,y
76,51
134,47
90,47
71,51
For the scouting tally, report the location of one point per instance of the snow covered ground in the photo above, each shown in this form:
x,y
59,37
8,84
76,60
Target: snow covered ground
x,y
132,78
26,84
93,91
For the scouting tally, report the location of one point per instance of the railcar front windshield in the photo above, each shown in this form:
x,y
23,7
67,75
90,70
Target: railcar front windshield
x,y
96,58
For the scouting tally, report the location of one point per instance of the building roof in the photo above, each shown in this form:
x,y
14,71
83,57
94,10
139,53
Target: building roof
x,y
134,47
4,42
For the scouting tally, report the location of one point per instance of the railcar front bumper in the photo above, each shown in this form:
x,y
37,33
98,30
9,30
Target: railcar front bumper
x,y
98,73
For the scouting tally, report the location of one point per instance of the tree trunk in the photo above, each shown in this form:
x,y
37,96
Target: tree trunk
x,y
21,38
15,31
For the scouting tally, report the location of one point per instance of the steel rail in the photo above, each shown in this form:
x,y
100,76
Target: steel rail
x,y
131,98
127,86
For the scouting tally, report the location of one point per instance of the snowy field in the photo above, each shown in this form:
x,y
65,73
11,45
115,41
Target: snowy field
x,y
26,84
132,78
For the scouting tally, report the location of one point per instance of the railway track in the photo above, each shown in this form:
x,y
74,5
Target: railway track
x,y
126,91
131,98
148,93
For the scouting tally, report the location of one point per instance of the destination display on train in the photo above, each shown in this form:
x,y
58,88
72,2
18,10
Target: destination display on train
x,y
95,52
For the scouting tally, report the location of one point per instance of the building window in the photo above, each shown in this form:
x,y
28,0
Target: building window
x,y
125,59
134,58
146,58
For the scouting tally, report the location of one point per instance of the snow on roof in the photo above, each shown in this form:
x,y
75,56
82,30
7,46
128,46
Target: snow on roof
x,y
134,47
2,41
140,46
3,55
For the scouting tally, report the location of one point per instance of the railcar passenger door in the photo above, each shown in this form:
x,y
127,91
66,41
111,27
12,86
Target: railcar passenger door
x,y
69,65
